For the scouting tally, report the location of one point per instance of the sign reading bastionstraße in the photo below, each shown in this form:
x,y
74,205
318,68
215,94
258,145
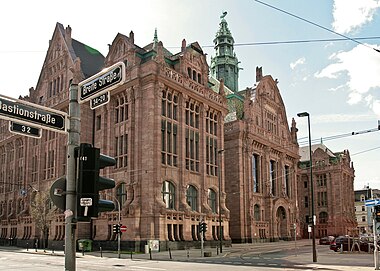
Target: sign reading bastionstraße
x,y
28,113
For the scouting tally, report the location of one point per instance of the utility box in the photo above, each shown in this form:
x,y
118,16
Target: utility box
x,y
85,245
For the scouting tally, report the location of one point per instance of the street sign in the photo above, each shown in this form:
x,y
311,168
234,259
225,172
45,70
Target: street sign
x,y
28,113
100,100
372,202
123,228
23,129
101,82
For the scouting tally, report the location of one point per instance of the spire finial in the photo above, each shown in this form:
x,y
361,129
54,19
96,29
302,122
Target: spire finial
x,y
155,39
223,15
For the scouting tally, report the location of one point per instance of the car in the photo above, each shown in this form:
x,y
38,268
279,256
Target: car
x,y
352,244
327,240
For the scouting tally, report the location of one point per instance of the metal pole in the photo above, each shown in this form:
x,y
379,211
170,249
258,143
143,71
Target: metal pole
x,y
312,193
376,250
70,212
119,233
219,201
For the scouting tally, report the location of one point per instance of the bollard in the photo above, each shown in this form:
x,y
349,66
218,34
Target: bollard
x,y
188,253
64,250
150,253
170,254
82,250
101,252
217,250
341,248
27,246
52,249
131,254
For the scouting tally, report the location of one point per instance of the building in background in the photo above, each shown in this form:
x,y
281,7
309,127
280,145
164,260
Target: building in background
x,y
364,214
333,180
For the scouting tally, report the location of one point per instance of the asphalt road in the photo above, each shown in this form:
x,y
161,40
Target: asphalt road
x,y
266,256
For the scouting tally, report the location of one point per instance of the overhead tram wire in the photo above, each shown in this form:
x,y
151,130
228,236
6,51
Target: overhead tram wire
x,y
303,142
317,25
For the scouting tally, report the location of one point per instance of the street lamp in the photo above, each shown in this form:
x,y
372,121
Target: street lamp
x,y
306,114
219,200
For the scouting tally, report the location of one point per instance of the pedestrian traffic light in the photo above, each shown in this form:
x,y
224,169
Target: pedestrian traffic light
x,y
377,213
89,183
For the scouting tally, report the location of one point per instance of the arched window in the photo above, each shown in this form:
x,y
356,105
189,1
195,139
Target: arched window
x,y
212,200
323,217
192,197
256,212
168,194
121,194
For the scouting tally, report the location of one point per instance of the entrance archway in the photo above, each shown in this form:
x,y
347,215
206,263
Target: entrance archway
x,y
282,225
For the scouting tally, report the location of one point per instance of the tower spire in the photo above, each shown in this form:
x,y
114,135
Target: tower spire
x,y
225,63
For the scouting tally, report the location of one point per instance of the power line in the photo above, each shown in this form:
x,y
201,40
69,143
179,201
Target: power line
x,y
317,25
305,141
292,41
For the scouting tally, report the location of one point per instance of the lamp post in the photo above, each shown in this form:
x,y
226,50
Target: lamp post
x,y
306,114
219,200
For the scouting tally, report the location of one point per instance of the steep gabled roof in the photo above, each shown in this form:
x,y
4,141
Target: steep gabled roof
x,y
92,61
304,151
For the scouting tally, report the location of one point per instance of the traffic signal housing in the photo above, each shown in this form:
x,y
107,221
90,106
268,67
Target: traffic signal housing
x,y
89,183
116,228
377,213
202,226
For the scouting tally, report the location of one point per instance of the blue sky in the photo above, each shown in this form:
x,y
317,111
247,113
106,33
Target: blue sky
x,y
338,83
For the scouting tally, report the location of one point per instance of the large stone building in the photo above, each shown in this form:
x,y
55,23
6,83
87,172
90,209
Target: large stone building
x,y
164,126
333,185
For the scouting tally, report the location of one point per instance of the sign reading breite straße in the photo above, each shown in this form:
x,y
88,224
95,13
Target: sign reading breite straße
x,y
29,113
103,81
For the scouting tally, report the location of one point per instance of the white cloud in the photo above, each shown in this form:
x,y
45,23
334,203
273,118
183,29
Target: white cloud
x,y
362,67
376,107
339,118
299,61
351,15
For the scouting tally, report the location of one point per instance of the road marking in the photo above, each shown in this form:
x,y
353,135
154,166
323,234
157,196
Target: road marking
x,y
150,268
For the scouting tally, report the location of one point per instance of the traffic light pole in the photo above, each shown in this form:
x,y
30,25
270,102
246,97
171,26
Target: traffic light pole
x,y
70,212
375,251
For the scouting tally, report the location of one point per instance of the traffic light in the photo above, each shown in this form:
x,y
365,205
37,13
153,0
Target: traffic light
x,y
202,226
377,213
89,183
116,228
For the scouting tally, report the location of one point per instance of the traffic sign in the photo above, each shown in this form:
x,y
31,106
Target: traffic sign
x,y
372,202
101,82
123,228
23,129
29,113
100,100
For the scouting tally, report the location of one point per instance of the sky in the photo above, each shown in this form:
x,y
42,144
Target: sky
x,y
336,82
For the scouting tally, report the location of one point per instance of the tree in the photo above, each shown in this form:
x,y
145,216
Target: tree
x,y
42,214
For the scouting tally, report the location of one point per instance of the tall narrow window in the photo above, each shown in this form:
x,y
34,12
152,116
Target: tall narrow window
x,y
192,197
192,136
169,124
256,212
212,200
211,143
255,173
121,151
286,180
168,194
121,194
121,110
272,169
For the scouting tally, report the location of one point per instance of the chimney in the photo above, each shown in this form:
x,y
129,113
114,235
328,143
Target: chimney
x,y
68,35
259,73
132,37
183,46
